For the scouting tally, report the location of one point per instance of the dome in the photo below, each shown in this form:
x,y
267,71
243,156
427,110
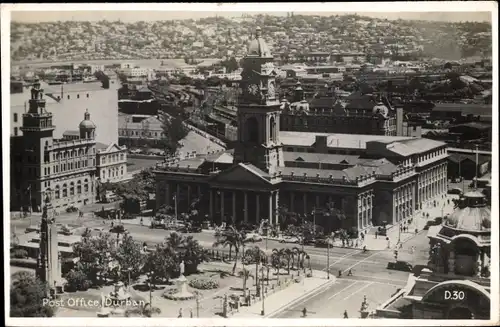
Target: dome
x,y
258,47
473,216
86,122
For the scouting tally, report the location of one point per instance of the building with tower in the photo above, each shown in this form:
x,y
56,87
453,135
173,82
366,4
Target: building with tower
x,y
373,180
41,162
456,284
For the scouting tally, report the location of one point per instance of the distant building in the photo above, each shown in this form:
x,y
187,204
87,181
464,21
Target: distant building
x,y
354,57
111,162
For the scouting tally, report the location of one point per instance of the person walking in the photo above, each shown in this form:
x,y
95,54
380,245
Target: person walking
x,y
376,234
345,314
304,312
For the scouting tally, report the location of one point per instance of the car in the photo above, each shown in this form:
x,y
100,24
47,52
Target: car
x,y
455,190
158,224
118,229
323,243
253,237
289,239
400,265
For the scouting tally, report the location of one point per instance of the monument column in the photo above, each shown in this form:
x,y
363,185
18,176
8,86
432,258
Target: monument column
x,y
245,208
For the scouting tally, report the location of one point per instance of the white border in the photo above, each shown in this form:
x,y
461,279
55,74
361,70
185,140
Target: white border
x,y
360,8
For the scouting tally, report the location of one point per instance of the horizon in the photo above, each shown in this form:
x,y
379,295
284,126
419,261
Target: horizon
x,y
127,16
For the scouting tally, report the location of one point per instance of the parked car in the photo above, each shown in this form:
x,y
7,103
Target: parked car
x,y
157,223
323,242
190,228
289,239
253,237
400,265
455,190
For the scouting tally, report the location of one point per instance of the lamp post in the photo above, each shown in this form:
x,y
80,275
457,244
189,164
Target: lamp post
x,y
151,288
129,269
262,313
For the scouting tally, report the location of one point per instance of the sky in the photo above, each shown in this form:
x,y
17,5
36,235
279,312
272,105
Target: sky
x,y
437,11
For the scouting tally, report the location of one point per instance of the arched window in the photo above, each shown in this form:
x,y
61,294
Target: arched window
x,y
15,117
71,188
57,193
64,190
252,130
103,174
79,187
272,128
86,185
121,171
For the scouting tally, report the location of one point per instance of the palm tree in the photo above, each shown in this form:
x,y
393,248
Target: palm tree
x,y
142,310
276,258
295,252
232,238
288,256
193,254
257,256
245,273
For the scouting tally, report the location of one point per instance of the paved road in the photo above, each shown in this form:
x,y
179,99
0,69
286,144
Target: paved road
x,y
370,278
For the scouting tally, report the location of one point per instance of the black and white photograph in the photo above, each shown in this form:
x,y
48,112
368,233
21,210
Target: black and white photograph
x,y
217,164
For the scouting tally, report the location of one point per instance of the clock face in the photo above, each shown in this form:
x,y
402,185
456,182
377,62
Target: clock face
x,y
253,89
271,90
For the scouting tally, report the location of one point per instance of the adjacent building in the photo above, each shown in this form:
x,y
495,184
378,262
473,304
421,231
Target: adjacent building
x,y
41,163
456,284
373,180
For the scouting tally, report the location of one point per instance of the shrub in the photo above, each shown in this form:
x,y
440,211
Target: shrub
x,y
20,253
77,281
204,284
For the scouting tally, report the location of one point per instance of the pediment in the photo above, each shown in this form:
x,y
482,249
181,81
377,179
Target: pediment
x,y
241,174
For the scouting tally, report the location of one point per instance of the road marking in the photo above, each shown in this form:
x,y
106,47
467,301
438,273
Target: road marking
x,y
373,282
362,288
344,257
345,288
380,278
354,265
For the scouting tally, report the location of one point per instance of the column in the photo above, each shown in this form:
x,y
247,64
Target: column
x,y
270,208
304,198
292,198
211,204
245,208
167,194
199,191
257,211
222,206
234,207
189,195
276,206
177,192
451,262
317,201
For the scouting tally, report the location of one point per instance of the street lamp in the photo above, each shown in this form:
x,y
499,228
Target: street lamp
x,y
262,313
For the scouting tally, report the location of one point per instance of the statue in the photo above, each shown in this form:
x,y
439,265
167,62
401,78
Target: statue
x,y
182,267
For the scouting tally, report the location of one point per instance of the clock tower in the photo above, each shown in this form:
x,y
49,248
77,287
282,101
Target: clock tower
x,y
259,110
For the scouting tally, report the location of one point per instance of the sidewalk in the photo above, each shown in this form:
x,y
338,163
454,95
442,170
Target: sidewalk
x,y
281,300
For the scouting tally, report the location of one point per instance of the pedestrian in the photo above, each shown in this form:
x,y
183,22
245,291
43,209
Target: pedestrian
x,y
345,314
142,221
112,224
362,236
400,245
356,243
191,313
180,313
376,234
304,312
349,273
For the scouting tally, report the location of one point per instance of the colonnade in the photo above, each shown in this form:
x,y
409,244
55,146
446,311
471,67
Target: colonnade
x,y
432,182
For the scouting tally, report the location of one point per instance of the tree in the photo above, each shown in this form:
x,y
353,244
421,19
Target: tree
x,y
95,256
130,258
233,239
288,254
193,254
146,310
160,264
246,274
257,256
77,280
174,130
276,260
26,296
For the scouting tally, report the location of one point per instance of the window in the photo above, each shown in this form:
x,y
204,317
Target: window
x,y
86,186
15,131
72,189
103,160
57,193
64,190
122,156
103,174
79,187
121,171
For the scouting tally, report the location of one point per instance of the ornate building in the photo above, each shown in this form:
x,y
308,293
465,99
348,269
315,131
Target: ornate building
x,y
366,115
371,179
456,284
40,162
